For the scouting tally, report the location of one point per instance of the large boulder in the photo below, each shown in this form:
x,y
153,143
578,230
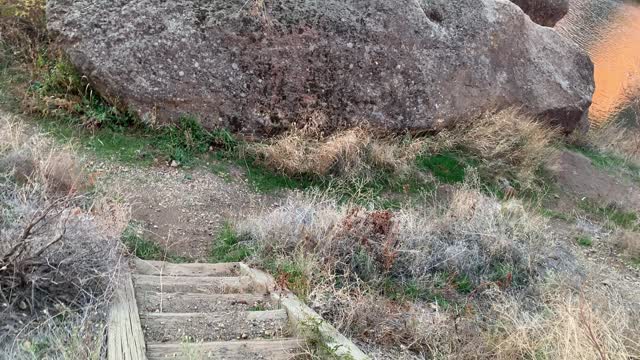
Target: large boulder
x,y
544,12
259,66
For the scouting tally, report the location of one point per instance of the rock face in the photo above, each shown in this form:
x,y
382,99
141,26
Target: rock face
x,y
544,12
259,66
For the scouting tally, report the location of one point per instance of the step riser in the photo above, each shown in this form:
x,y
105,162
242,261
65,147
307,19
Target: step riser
x,y
214,327
152,302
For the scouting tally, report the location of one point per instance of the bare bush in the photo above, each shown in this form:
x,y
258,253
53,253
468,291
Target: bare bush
x,y
55,262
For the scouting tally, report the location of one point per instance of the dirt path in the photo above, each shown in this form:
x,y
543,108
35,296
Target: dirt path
x,y
184,210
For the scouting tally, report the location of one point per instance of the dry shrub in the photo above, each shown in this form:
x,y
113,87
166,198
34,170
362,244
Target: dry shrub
x,y
508,143
57,266
34,160
347,153
628,242
23,27
358,253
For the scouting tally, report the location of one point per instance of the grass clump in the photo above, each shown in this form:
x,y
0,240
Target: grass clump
x,y
584,240
229,246
505,144
146,249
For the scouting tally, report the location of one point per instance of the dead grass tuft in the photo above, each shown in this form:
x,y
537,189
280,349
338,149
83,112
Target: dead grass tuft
x,y
508,143
346,153
615,138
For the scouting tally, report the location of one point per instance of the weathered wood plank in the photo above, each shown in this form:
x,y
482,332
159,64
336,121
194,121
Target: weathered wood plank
x,y
125,339
278,349
145,267
192,284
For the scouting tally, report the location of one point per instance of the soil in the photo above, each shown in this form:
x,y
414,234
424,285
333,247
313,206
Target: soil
x,y
184,210
576,175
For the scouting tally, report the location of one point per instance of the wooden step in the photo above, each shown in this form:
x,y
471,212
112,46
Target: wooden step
x,y
201,285
153,301
144,267
170,327
277,349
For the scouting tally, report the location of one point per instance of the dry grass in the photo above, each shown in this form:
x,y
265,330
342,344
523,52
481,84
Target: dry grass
x,y
566,325
347,153
57,264
357,261
393,279
617,139
508,143
23,28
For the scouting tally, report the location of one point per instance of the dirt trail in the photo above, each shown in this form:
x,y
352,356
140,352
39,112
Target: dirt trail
x,y
576,175
184,210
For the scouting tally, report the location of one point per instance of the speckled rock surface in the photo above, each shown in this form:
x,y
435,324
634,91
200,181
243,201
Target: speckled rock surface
x,y
403,64
544,12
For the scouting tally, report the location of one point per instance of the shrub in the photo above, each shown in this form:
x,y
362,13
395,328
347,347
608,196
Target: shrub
x,y
443,254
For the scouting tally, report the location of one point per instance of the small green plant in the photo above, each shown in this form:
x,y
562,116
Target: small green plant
x,y
146,249
584,240
552,214
290,274
446,167
229,246
257,307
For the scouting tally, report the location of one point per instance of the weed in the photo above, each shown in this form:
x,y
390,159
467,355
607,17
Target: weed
x,y
584,240
229,246
257,307
290,274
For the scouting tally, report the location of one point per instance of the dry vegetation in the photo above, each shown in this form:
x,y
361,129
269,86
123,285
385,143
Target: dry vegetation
x,y
467,278
57,268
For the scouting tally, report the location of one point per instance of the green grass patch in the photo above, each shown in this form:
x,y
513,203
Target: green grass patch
x,y
146,249
584,240
291,274
229,246
447,167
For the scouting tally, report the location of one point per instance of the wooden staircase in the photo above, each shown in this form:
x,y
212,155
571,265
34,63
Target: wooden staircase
x,y
198,311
